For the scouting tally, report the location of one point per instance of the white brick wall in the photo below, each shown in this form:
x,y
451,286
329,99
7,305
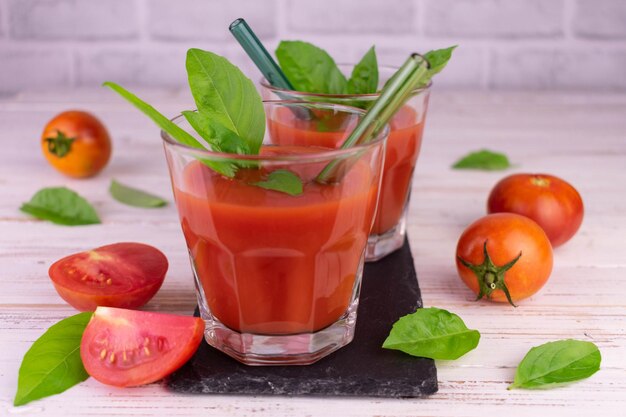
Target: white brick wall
x,y
530,44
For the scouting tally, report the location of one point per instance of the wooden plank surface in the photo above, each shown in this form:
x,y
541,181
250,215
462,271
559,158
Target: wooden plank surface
x,y
581,137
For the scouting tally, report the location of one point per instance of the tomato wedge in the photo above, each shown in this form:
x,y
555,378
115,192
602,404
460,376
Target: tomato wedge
x,y
125,275
126,348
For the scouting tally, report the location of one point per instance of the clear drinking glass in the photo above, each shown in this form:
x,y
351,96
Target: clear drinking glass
x,y
278,276
403,147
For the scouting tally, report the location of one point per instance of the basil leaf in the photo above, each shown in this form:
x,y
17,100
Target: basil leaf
x,y
556,363
310,69
283,181
437,59
134,197
224,141
432,333
53,363
485,160
364,78
61,205
217,135
226,96
163,122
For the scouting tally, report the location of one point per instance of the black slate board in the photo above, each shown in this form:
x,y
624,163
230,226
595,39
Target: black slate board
x,y
362,368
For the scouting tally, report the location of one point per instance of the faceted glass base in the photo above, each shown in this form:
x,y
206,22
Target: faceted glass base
x,y
291,349
379,246
296,349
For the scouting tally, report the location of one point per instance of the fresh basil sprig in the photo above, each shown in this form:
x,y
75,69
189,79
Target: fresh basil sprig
x,y
556,363
61,205
484,160
310,69
53,363
432,333
230,115
134,197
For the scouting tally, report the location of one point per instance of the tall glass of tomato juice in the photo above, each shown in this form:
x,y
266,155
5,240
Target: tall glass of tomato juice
x,y
278,275
403,147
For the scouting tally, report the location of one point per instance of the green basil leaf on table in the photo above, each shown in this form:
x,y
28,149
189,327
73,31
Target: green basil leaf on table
x,y
282,180
163,122
53,363
226,96
364,78
556,363
485,160
310,69
432,333
134,197
61,205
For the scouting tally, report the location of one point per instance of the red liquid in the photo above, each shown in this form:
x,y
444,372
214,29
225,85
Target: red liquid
x,y
403,146
273,263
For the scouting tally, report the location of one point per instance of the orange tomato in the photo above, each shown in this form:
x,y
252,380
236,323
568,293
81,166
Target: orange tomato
x,y
76,143
504,257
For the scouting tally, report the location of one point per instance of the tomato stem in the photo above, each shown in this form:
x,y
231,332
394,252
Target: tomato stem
x,y
490,276
60,145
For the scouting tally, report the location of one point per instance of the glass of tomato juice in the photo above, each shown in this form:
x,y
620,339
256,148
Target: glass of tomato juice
x,y
403,147
278,275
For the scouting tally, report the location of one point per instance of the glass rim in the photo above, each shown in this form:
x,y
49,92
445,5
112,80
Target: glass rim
x,y
308,157
370,96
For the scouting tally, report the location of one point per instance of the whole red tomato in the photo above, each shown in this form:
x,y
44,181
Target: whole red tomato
x,y
550,201
504,257
76,143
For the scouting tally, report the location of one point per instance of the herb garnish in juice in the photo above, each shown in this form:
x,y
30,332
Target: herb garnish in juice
x,y
312,70
229,117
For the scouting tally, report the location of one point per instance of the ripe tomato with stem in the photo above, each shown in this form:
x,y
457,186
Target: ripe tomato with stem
x,y
504,257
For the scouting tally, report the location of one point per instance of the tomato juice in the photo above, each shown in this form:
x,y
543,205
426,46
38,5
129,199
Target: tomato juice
x,y
269,262
403,146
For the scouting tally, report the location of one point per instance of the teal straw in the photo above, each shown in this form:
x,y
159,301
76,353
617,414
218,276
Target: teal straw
x,y
259,55
392,97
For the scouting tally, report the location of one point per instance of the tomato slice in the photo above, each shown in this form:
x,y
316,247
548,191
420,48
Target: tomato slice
x,y
127,348
125,275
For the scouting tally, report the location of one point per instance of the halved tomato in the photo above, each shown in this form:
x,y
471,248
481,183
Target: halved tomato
x,y
125,275
126,348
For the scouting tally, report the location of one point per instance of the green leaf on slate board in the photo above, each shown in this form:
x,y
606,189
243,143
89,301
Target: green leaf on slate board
x,y
62,206
432,333
134,197
556,363
53,363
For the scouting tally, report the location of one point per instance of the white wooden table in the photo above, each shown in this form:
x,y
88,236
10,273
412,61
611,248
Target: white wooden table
x,y
581,137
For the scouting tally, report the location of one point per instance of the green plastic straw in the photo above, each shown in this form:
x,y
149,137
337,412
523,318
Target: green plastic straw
x,y
264,62
259,55
392,97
